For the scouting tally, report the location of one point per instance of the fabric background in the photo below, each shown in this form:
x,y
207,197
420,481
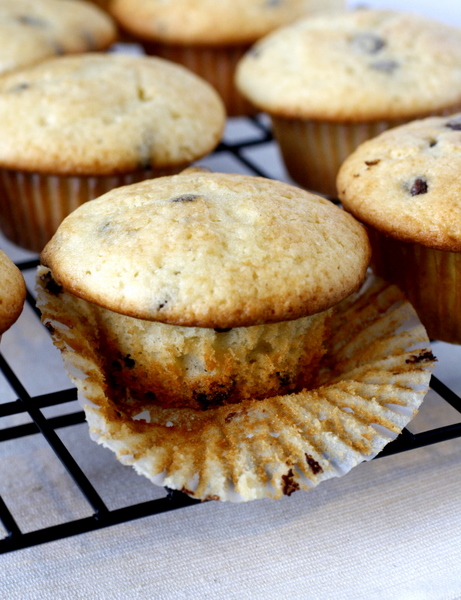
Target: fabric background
x,y
390,529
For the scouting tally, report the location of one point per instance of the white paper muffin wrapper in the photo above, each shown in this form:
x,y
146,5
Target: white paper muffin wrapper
x,y
375,377
33,205
215,64
314,150
430,279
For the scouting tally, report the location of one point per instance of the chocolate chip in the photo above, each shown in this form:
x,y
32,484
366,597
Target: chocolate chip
x,y
162,304
231,416
186,198
455,124
129,362
51,285
116,366
20,87
254,52
425,356
205,401
313,464
218,330
32,21
419,187
58,48
105,227
289,485
219,395
145,150
385,66
367,43
89,40
284,378
145,164
372,163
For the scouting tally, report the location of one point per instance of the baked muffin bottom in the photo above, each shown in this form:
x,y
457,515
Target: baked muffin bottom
x,y
190,367
371,382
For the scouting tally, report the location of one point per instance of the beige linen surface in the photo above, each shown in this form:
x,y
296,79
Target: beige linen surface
x,y
388,530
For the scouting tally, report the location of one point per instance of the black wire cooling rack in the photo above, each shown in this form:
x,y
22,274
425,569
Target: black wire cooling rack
x,y
247,149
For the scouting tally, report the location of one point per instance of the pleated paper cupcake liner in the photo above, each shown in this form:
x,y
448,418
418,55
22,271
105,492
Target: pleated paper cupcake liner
x,y
33,205
431,280
214,64
372,382
313,151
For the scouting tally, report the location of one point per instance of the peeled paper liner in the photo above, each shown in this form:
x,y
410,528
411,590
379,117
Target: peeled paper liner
x,y
375,376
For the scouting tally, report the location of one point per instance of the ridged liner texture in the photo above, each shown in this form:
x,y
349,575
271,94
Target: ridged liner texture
x,y
33,205
371,383
313,151
429,278
216,65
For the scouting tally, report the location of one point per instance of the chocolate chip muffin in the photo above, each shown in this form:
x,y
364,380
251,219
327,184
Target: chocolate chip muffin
x,y
209,37
12,292
330,83
34,30
404,185
196,350
74,127
231,302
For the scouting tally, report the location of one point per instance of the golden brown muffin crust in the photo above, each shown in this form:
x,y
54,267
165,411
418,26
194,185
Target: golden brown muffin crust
x,y
34,30
210,250
99,114
405,183
212,22
12,292
361,65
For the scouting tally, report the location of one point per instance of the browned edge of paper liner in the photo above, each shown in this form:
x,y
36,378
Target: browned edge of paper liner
x,y
374,380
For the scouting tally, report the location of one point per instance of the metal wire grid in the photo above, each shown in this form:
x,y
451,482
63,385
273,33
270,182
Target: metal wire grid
x,y
102,516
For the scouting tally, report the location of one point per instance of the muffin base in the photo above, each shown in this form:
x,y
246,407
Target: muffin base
x,y
431,280
187,367
32,205
371,383
313,151
214,64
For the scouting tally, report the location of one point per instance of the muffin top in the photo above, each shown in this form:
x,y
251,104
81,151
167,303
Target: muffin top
x,y
12,292
210,250
210,22
33,30
406,184
95,114
355,66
